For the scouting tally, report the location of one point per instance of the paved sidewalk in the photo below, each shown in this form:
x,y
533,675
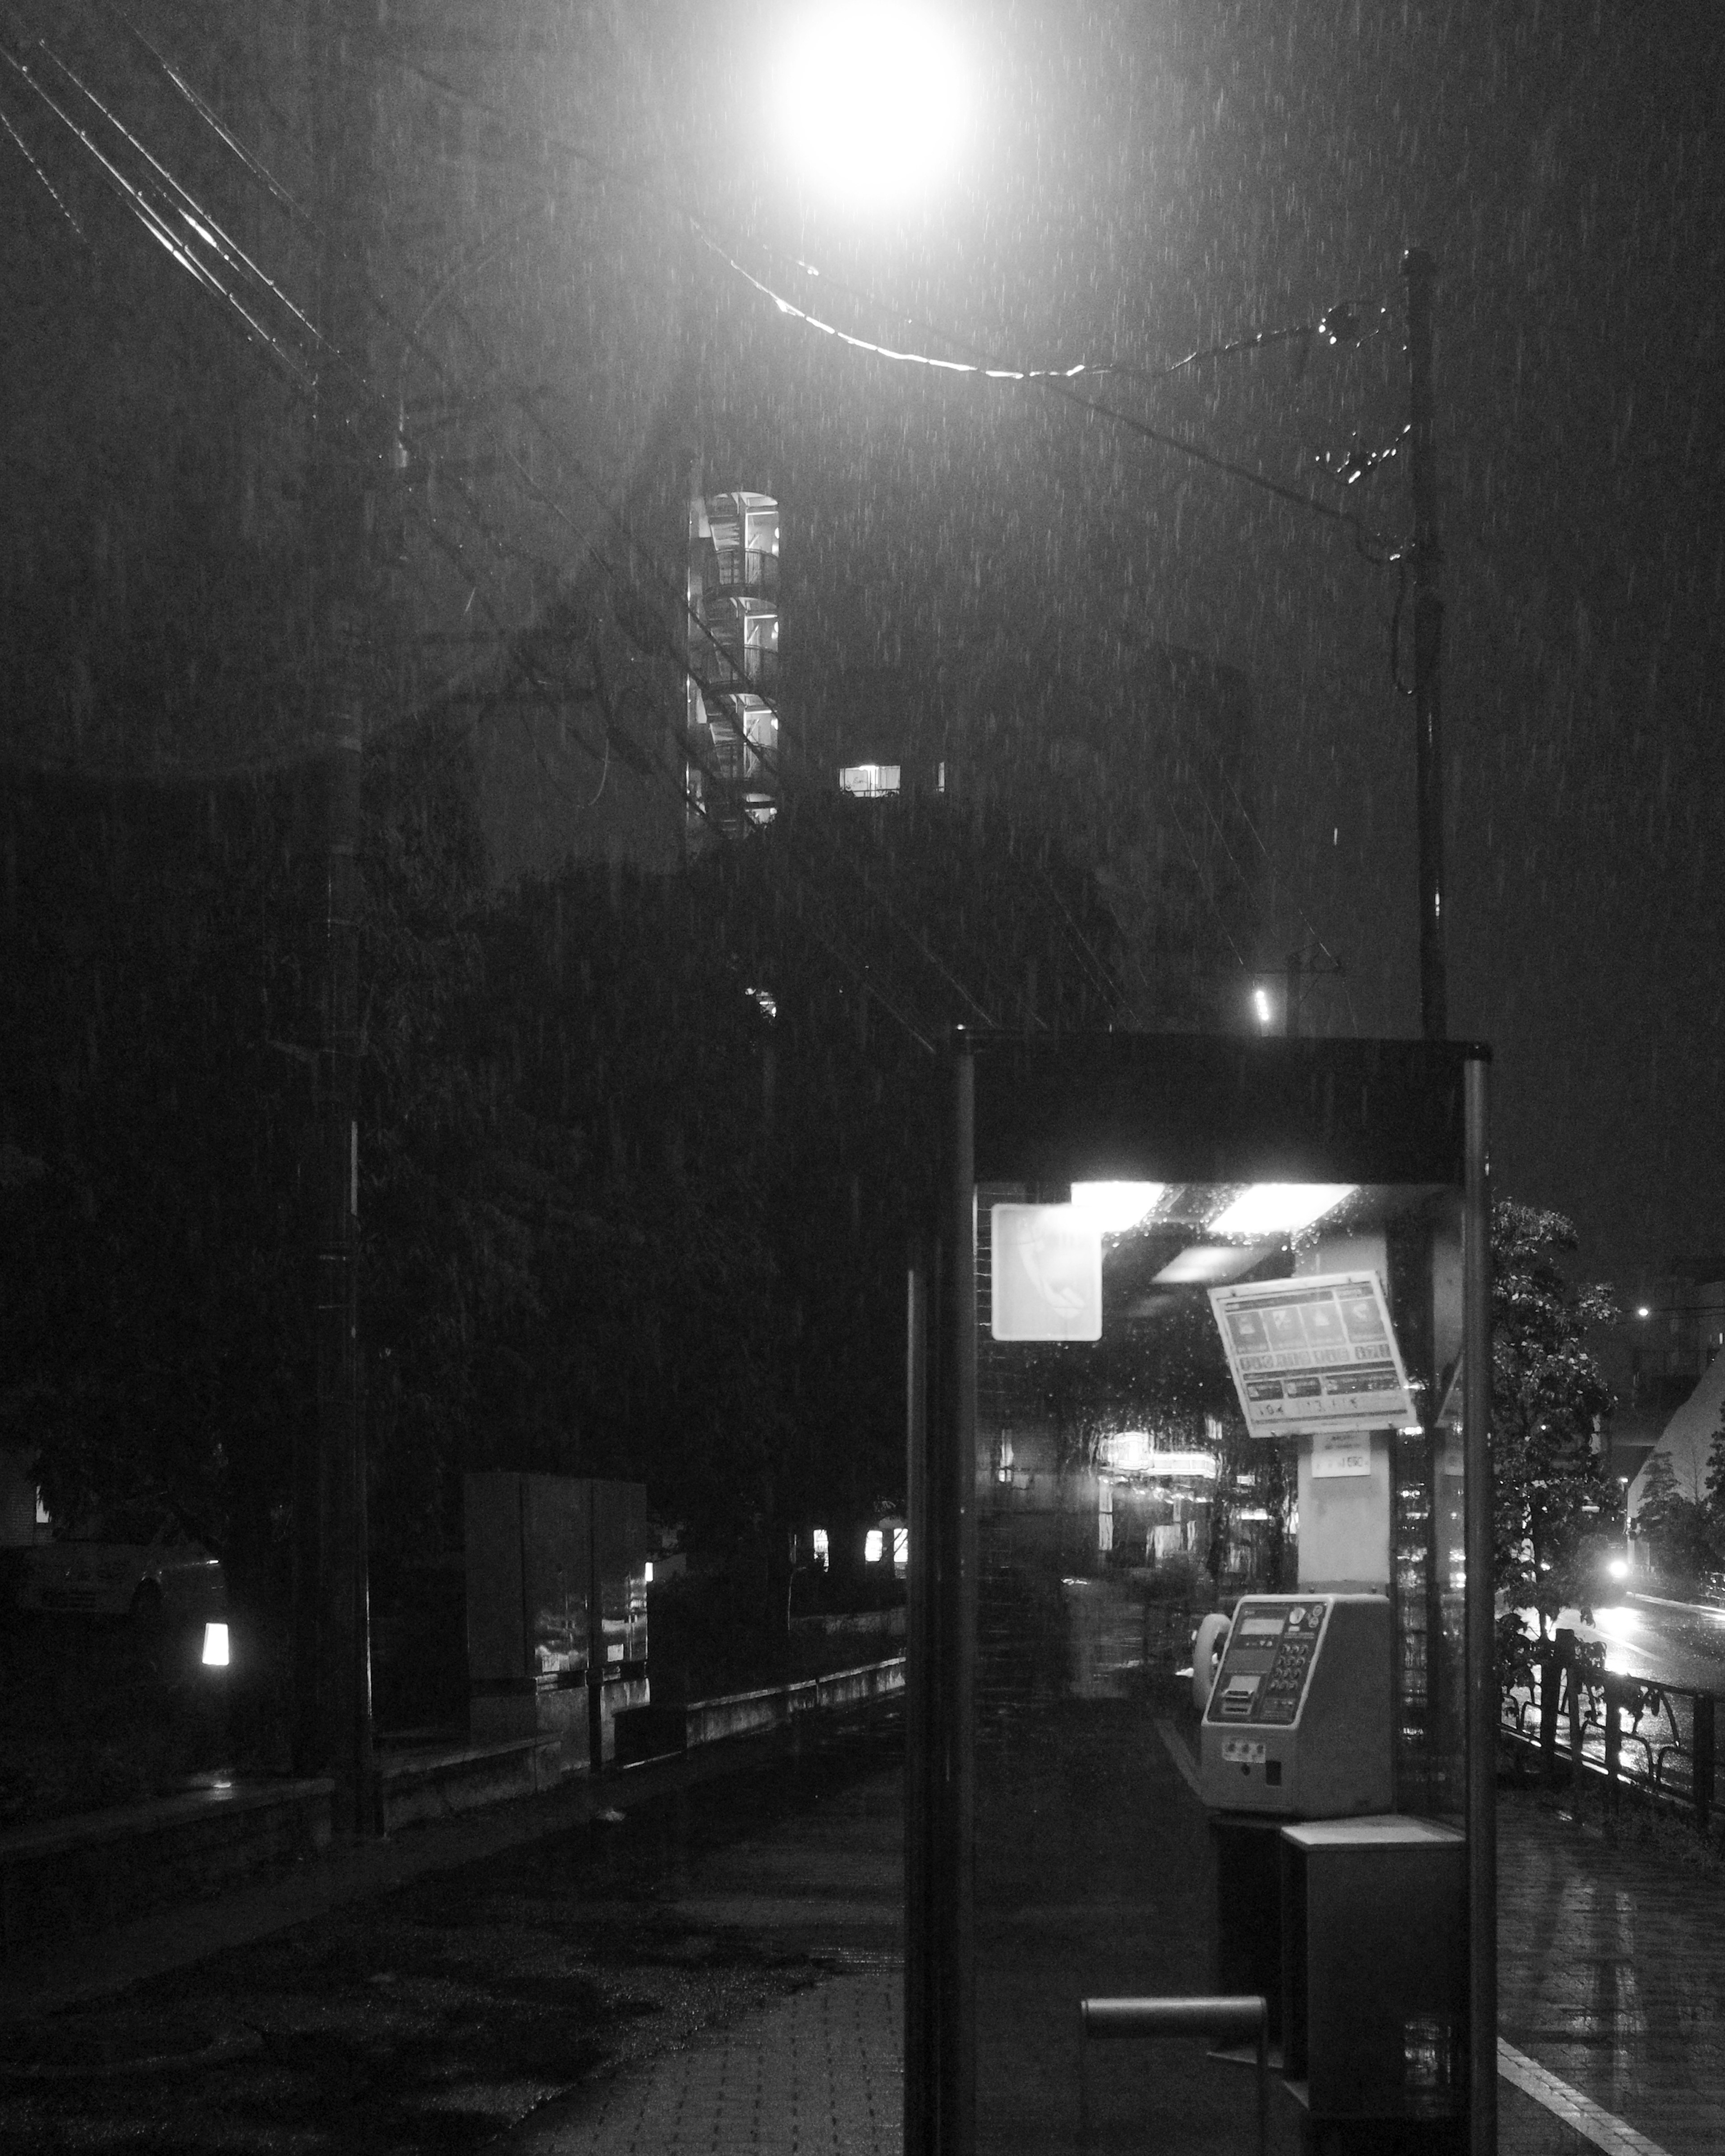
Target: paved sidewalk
x,y
1611,1988
1612,1975
822,2075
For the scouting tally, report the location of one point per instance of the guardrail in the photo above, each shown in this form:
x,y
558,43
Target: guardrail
x,y
1660,1738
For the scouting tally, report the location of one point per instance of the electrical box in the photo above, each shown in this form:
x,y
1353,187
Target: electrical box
x,y
1298,1721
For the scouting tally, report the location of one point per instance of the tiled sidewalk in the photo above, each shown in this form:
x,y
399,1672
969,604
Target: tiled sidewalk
x,y
821,2075
1611,1986
1612,1969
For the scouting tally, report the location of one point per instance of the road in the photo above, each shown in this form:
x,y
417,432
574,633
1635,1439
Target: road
x,y
1664,1642
440,2015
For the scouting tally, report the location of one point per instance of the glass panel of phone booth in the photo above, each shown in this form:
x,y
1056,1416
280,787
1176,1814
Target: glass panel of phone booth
x,y
1256,1393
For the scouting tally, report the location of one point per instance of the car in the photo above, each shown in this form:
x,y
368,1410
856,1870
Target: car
x,y
134,1561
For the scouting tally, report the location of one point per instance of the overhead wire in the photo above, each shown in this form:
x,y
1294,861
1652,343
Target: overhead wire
x,y
215,237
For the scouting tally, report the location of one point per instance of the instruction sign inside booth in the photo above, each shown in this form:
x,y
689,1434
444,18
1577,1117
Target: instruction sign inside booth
x,y
1313,1355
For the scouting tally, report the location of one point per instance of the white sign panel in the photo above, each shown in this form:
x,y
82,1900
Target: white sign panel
x,y
1334,1453
1313,1354
1045,1279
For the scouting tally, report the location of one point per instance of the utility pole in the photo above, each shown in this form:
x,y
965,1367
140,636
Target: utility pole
x,y
1427,560
331,1625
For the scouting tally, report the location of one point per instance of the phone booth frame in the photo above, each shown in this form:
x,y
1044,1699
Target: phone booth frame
x,y
1045,1112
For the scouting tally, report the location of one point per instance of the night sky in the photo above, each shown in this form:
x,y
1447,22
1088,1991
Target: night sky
x,y
1137,181
1143,180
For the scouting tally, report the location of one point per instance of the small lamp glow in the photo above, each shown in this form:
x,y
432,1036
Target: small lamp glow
x,y
215,1646
1619,1570
1642,1311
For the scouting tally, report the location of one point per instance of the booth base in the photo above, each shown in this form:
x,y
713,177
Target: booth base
x,y
1375,1971
1248,1852
1374,2136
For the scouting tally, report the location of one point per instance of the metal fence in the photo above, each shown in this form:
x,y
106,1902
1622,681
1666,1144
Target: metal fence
x,y
1658,1738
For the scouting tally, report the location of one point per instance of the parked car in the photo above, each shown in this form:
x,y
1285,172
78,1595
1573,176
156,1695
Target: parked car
x,y
136,1561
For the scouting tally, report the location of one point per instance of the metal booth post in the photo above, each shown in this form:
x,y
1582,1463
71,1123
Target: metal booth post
x,y
1201,1708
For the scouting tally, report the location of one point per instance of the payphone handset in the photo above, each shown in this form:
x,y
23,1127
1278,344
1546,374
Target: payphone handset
x,y
1298,1721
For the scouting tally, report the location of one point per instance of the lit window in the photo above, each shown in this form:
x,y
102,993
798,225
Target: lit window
x,y
822,1548
1002,1458
900,1549
872,1547
868,781
649,1572
43,1516
215,1646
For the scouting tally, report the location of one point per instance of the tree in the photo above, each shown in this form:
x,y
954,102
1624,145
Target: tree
x,y
1713,1502
1680,1530
1549,1403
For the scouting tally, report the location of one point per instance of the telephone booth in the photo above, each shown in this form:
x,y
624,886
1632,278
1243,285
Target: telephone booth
x,y
1201,1700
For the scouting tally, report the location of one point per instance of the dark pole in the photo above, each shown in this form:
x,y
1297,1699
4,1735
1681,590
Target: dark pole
x,y
1480,1643
1426,562
331,1616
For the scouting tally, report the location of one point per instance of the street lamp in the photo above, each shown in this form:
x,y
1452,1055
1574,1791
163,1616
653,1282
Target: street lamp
x,y
872,99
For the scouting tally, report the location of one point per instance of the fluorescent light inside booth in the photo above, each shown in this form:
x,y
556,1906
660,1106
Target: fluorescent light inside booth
x,y
1115,1207
1205,1263
1279,1209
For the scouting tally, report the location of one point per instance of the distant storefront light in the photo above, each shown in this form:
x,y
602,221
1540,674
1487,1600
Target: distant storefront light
x,y
821,1546
1135,1452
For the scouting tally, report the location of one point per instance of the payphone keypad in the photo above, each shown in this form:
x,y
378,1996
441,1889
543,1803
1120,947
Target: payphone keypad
x,y
1268,1660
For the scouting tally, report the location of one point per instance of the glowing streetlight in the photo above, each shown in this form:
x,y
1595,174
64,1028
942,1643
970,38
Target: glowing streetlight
x,y
871,97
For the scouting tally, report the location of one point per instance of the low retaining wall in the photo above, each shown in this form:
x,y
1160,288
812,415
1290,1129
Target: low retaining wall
x,y
745,1713
433,1782
64,1878
68,1878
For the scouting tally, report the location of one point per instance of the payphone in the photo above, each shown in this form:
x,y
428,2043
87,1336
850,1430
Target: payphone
x,y
1298,1721
1216,1291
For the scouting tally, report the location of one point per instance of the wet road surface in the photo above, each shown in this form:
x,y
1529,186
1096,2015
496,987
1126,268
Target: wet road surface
x,y
1664,1642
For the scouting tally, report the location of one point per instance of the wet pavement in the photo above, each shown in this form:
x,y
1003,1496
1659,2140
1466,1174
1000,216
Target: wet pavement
x,y
436,2010
1611,1978
722,1971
